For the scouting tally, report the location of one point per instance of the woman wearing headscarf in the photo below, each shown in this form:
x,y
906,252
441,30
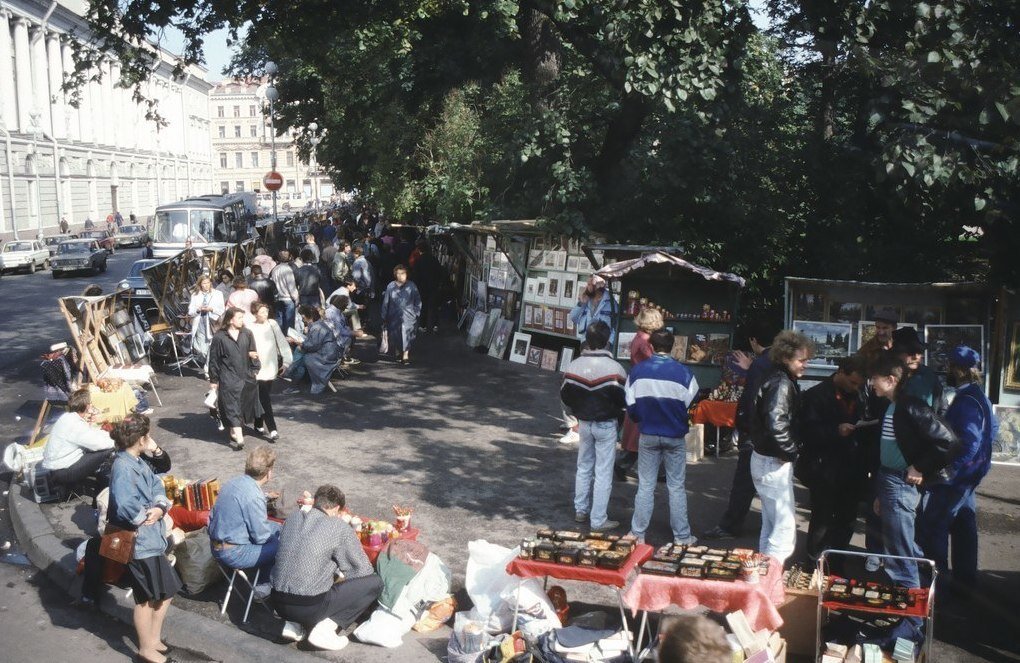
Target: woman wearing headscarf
x,y
272,348
205,309
233,365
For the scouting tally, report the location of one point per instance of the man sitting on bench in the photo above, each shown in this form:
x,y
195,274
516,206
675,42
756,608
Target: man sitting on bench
x,y
76,449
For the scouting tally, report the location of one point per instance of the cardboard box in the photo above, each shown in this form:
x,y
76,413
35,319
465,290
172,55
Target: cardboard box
x,y
800,615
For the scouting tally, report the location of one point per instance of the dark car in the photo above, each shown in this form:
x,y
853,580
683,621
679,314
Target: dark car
x,y
135,282
78,255
53,241
103,237
133,235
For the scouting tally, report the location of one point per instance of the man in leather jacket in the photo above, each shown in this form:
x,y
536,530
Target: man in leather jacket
x,y
262,285
916,445
775,438
832,464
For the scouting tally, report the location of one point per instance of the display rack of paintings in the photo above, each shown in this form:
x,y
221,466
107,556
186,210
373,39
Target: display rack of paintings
x,y
941,339
557,272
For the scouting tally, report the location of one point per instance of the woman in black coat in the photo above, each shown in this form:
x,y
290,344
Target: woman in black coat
x,y
233,365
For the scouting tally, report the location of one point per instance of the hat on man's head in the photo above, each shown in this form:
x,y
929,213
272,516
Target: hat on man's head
x,y
886,314
964,357
57,347
906,340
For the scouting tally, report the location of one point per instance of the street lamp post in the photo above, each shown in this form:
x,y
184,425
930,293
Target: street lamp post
x,y
272,95
314,139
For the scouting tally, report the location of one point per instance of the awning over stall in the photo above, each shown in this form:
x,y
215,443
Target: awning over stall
x,y
623,267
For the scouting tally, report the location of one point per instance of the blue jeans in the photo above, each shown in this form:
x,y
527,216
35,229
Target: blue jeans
x,y
251,555
950,511
297,370
653,450
285,314
596,453
898,502
773,479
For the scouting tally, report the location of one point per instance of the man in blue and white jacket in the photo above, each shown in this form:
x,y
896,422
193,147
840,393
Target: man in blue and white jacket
x,y
659,392
592,392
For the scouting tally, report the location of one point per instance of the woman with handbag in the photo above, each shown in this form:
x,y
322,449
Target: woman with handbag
x,y
233,365
136,535
272,348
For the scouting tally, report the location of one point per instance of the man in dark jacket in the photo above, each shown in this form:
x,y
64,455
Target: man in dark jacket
x,y
308,280
593,392
428,276
262,286
831,464
775,437
742,491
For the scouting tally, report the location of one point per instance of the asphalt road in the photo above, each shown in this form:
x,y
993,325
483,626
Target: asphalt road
x,y
32,321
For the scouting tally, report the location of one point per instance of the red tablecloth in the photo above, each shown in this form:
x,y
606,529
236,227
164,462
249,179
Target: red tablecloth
x,y
529,568
655,593
718,413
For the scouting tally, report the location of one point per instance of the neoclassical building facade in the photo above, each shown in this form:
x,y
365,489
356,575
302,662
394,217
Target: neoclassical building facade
x,y
58,161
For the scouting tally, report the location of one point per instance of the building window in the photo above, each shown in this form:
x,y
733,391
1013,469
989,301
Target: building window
x,y
238,161
237,111
251,110
237,131
290,158
219,111
223,159
223,132
254,131
238,186
290,186
224,187
254,159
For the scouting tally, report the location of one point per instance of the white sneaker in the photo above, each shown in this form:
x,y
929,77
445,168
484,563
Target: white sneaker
x,y
293,631
219,426
324,636
273,435
570,437
872,564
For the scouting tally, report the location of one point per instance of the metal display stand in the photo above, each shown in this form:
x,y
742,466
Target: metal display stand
x,y
824,608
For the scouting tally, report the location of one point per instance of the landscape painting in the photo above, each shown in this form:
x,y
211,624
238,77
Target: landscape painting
x,y
832,341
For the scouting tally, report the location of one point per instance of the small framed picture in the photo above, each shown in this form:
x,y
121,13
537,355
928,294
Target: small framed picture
x,y
573,264
1006,446
552,290
623,341
832,341
541,285
519,348
536,259
569,296
566,356
528,315
809,306
941,340
845,312
549,358
679,351
534,356
559,321
547,318
529,289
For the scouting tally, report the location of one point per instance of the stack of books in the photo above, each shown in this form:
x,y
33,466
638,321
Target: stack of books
x,y
200,495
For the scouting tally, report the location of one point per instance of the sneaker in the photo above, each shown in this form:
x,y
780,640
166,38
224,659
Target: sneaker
x,y
293,631
324,636
273,436
220,427
718,532
261,430
872,564
580,517
237,446
607,526
689,541
146,411
570,437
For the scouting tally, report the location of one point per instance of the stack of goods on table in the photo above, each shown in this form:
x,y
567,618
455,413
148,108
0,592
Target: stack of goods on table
x,y
605,551
752,646
903,652
856,594
704,562
871,622
192,495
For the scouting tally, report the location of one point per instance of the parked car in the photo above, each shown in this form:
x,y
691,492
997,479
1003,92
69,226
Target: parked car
x,y
26,254
53,241
132,236
135,282
79,255
103,237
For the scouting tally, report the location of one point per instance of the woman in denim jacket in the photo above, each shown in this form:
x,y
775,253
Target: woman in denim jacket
x,y
138,502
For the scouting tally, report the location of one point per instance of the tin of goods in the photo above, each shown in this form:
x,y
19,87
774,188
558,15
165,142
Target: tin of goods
x,y
598,545
546,534
697,550
611,559
719,573
612,537
567,556
527,549
545,551
659,568
587,557
709,557
568,536
625,547
691,571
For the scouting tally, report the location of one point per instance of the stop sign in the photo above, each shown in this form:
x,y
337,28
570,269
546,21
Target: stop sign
x,y
273,180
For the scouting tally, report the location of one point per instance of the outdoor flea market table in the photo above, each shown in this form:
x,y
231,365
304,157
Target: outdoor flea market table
x,y
529,568
653,593
721,414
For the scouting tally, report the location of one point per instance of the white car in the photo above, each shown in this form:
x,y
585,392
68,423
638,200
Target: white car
x,y
26,254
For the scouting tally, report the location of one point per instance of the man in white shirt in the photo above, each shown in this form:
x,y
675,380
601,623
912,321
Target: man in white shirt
x,y
76,449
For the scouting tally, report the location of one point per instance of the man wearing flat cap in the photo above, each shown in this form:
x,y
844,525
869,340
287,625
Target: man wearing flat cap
x,y
950,508
921,380
886,320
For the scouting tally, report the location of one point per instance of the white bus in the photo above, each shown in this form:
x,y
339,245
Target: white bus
x,y
203,221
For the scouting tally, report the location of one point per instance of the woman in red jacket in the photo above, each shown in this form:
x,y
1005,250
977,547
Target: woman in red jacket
x,y
648,320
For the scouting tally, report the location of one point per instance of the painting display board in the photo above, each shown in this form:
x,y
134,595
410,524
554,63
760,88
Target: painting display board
x,y
699,305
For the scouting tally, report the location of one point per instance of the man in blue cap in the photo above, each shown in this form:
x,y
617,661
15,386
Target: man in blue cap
x,y
949,509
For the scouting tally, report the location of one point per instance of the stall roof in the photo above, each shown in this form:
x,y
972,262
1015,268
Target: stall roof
x,y
657,257
959,287
633,248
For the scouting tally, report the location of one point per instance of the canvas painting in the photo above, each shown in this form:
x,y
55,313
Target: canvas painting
x,y
477,328
697,349
844,312
623,341
500,338
566,356
809,306
832,340
534,356
1013,360
549,358
1006,446
718,348
941,340
519,348
679,351
490,327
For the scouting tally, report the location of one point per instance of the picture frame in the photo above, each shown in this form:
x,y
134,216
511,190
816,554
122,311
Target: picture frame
x,y
922,316
679,351
536,259
547,318
542,283
866,331
529,313
566,356
549,358
490,326
529,288
519,348
941,339
809,306
477,328
568,297
1013,360
538,244
1006,445
851,312
559,260
559,321
500,338
552,290
697,349
718,348
832,341
534,356
871,309
465,315
549,259
623,341
573,264
481,294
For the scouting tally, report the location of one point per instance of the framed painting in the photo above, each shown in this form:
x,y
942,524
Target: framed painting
x,y
922,316
623,341
549,358
845,312
718,348
809,306
529,289
490,326
547,318
534,356
552,290
1013,360
568,296
679,351
528,315
941,340
519,348
1006,445
541,284
573,264
477,328
871,309
559,321
866,331
697,349
831,339
500,338
536,259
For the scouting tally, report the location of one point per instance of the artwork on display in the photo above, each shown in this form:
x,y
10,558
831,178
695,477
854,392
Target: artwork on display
x,y
538,244
871,309
549,259
566,356
573,264
718,348
567,297
500,338
832,340
519,348
559,321
809,306
624,339
552,290
941,340
490,242
534,356
559,260
679,351
922,316
540,288
529,289
571,327
477,328
481,292
1006,445
497,278
866,331
465,316
1013,359
549,358
845,312
536,259
528,314
547,318
490,327
697,349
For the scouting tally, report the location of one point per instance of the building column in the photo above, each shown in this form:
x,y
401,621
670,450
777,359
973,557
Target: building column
x,y
106,92
95,111
56,71
23,69
111,74
73,114
41,79
8,101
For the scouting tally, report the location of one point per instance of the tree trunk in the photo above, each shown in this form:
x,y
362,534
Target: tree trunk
x,y
542,56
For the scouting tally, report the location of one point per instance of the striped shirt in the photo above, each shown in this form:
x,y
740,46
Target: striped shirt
x,y
659,392
892,457
592,387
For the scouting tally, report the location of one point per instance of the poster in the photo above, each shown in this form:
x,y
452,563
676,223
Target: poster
x,y
831,339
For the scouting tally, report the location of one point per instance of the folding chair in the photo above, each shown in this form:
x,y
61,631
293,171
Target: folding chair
x,y
231,576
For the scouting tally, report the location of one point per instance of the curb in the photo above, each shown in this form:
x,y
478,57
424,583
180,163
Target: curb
x,y
216,640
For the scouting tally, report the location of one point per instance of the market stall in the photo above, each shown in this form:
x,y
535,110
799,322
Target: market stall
x,y
109,339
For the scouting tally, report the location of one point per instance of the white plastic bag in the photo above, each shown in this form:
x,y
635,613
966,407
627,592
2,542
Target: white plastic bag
x,y
211,399
383,628
486,576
